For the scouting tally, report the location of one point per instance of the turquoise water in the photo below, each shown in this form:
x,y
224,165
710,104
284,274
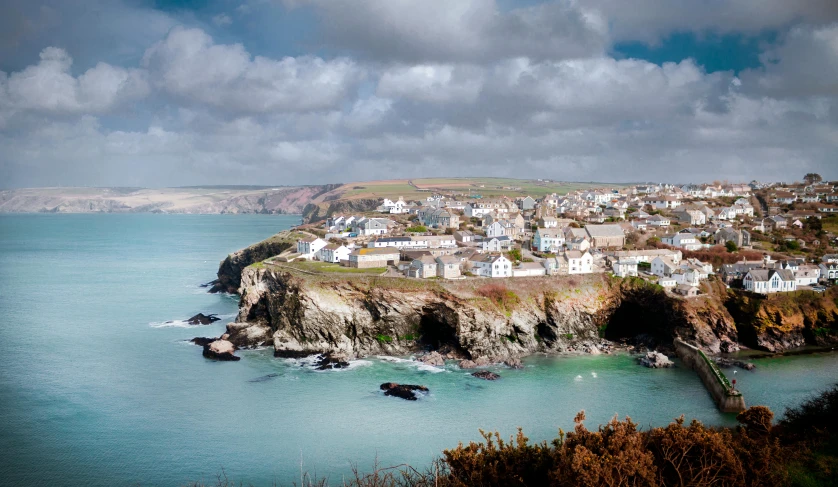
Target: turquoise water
x,y
96,390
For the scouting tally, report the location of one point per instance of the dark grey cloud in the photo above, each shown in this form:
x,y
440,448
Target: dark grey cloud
x,y
426,89
465,30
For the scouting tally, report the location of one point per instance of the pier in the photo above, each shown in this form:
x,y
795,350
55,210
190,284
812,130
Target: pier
x,y
728,399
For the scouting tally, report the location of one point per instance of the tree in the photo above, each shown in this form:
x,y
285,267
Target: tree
x,y
812,178
730,245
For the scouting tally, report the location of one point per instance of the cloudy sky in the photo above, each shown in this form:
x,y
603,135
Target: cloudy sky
x,y
145,93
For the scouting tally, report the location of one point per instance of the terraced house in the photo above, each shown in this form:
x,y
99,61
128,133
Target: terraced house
x,y
438,218
548,240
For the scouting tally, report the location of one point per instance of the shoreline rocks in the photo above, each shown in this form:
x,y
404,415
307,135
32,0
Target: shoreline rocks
x,y
331,360
473,364
404,391
202,319
513,363
656,360
221,350
434,358
728,363
486,375
202,341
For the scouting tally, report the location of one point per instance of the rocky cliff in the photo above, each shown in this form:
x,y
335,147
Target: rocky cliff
x,y
230,271
300,313
314,212
204,200
786,320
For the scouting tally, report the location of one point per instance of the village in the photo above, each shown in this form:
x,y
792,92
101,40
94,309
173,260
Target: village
x,y
760,237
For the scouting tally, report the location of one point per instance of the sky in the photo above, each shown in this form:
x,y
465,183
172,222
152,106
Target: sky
x,y
193,92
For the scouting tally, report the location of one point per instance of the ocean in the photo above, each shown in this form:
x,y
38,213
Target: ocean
x,y
97,389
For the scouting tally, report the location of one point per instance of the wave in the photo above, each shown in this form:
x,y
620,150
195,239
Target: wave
x,y
185,324
412,362
310,362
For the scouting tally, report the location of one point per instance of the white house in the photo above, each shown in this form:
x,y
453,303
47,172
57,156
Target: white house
x,y
829,270
423,268
549,222
658,221
546,240
577,262
497,244
491,265
578,243
691,217
684,240
807,275
496,229
333,253
416,242
624,268
371,226
308,247
394,207
765,281
663,266
662,202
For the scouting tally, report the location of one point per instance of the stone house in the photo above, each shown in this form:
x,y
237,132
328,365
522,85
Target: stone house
x,y
606,236
448,266
366,258
423,268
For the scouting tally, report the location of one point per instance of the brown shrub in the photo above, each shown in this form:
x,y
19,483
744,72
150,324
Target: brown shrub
x,y
500,295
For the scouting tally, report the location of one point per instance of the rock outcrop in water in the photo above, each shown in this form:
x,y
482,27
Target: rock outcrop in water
x,y
486,375
221,350
404,391
202,319
655,360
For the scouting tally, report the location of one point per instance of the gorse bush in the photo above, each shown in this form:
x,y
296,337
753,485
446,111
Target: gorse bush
x,y
500,295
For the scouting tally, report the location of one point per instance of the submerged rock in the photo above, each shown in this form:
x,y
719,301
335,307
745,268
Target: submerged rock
x,y
487,375
728,346
221,350
433,358
331,360
473,364
404,391
202,319
656,360
264,378
728,363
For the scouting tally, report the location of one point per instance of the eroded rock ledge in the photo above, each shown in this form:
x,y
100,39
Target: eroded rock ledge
x,y
358,315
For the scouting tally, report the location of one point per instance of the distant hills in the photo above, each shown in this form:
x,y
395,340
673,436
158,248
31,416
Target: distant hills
x,y
219,199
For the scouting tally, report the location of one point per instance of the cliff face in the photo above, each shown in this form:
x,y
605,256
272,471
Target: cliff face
x,y
204,200
781,321
316,212
230,271
361,315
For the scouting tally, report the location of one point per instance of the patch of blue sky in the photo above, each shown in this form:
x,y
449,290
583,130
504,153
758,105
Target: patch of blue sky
x,y
729,52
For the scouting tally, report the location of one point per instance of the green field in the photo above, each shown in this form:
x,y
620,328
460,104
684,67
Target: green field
x,y
830,224
485,187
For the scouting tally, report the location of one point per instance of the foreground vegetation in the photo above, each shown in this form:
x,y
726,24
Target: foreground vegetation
x,y
800,450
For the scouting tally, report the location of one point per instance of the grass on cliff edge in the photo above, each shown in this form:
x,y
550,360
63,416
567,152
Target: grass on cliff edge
x,y
329,268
